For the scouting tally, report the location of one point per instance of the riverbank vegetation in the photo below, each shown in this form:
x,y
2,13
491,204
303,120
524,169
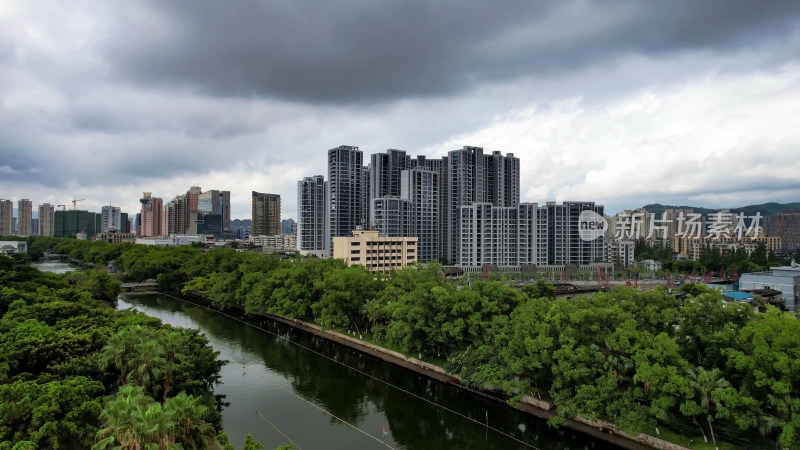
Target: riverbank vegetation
x,y
75,373
640,360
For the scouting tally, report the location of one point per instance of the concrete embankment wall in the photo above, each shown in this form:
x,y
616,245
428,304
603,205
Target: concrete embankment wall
x,y
543,409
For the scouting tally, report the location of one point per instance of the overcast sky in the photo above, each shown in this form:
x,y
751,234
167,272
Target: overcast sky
x,y
622,103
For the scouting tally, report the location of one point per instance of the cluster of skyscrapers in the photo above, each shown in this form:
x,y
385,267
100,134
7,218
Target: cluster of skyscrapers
x,y
49,221
464,209
193,213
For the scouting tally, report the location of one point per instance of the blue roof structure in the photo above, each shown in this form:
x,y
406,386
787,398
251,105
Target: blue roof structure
x,y
739,296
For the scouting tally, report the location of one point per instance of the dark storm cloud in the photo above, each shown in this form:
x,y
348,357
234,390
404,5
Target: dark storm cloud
x,y
373,51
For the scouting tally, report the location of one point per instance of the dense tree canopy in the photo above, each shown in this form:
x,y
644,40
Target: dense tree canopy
x,y
638,359
57,362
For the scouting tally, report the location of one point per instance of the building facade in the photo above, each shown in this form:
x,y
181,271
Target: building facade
x,y
6,217
784,279
214,214
266,210
564,241
785,225
115,236
377,254
420,187
24,217
46,219
71,223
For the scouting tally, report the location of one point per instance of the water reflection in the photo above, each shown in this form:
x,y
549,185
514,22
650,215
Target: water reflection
x,y
371,405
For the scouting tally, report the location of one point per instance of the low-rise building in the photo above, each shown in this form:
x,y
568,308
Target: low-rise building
x,y
11,247
170,241
115,236
784,279
378,254
275,243
651,265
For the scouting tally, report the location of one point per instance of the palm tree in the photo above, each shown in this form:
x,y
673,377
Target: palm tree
x,y
147,364
705,382
118,350
171,343
188,413
121,424
786,410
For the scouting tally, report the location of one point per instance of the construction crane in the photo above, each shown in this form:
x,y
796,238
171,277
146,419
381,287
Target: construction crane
x,y
75,202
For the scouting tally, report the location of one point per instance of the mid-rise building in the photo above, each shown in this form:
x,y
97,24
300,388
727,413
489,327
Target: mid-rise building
x,y
346,199
377,254
35,226
312,210
565,243
110,218
391,216
266,209
151,216
214,214
24,217
6,218
46,219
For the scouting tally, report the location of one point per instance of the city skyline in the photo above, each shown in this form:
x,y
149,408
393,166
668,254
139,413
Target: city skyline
x,y
623,104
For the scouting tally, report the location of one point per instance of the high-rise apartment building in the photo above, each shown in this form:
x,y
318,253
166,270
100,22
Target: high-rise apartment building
x,y
214,214
385,169
420,187
564,240
6,217
266,209
24,217
312,227
181,213
46,219
471,177
346,201
110,218
151,218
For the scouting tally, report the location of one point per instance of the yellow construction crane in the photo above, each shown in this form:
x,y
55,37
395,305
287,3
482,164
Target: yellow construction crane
x,y
75,202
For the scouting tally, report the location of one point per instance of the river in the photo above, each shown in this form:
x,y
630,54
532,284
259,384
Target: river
x,y
54,266
284,381
292,387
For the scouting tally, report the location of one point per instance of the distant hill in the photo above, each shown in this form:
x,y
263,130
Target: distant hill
x,y
766,209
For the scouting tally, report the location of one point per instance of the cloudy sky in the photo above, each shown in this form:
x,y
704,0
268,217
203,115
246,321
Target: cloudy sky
x,y
623,103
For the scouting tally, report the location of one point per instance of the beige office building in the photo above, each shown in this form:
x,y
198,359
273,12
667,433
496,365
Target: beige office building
x,y
46,219
378,254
